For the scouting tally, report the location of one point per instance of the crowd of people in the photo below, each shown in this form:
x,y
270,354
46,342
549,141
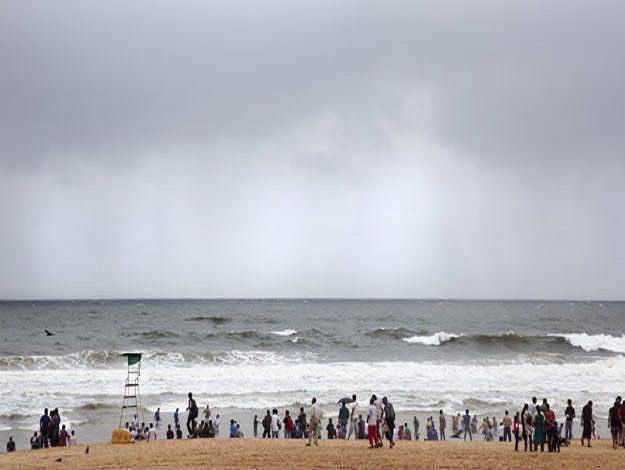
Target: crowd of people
x,y
51,432
534,426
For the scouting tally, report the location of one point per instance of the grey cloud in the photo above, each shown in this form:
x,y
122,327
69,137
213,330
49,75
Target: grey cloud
x,y
460,149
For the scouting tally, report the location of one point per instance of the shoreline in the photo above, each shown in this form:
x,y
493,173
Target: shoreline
x,y
259,453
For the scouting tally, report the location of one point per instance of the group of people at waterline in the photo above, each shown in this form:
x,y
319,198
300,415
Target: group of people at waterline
x,y
534,426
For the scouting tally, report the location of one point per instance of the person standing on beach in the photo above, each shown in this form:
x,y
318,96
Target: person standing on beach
x,y
524,422
389,419
157,418
516,429
407,433
170,432
11,445
372,424
315,420
353,419
380,408
302,422
466,423
539,430
275,425
288,425
507,423
343,418
569,413
550,427
207,413
587,423
255,425
176,418
44,424
415,423
267,425
442,424
216,424
614,422
533,406
193,412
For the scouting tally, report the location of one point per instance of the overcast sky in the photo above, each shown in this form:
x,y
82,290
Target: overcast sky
x,y
470,149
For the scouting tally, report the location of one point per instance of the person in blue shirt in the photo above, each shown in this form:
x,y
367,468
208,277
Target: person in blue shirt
x,y
233,428
44,422
466,422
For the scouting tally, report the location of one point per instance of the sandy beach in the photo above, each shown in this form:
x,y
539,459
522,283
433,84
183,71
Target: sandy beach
x,y
250,453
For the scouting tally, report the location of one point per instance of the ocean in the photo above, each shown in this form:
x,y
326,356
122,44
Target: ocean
x,y
243,356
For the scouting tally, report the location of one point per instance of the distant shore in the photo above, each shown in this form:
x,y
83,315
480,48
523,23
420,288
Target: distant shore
x,y
257,453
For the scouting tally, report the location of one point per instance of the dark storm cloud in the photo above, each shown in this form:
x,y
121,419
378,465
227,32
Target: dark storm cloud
x,y
312,148
527,80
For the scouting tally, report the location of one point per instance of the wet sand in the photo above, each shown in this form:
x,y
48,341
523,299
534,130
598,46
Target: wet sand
x,y
252,453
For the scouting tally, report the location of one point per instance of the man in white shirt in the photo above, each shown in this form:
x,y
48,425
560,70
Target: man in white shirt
x,y
275,425
151,433
378,404
314,422
532,407
353,419
372,424
216,426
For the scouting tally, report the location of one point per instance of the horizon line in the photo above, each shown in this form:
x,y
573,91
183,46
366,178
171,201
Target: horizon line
x,y
427,299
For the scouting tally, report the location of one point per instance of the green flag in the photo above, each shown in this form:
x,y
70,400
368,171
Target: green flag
x,y
133,358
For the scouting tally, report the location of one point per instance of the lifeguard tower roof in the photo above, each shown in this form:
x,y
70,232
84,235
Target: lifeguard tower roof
x,y
133,357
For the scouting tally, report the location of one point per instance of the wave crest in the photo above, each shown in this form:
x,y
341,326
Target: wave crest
x,y
432,340
598,342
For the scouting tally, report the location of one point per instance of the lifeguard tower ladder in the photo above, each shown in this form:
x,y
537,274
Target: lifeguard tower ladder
x,y
131,404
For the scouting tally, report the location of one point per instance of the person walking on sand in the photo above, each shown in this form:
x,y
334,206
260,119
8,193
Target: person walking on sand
x,y
587,423
315,421
193,412
466,423
442,424
353,419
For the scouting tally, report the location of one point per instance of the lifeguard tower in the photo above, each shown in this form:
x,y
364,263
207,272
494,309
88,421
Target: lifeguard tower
x,y
131,404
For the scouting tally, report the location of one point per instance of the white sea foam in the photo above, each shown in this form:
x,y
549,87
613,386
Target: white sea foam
x,y
254,383
595,342
287,332
432,340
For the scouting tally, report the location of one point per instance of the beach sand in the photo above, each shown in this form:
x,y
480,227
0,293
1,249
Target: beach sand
x,y
256,453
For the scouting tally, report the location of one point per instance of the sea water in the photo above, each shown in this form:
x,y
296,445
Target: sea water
x,y
247,355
